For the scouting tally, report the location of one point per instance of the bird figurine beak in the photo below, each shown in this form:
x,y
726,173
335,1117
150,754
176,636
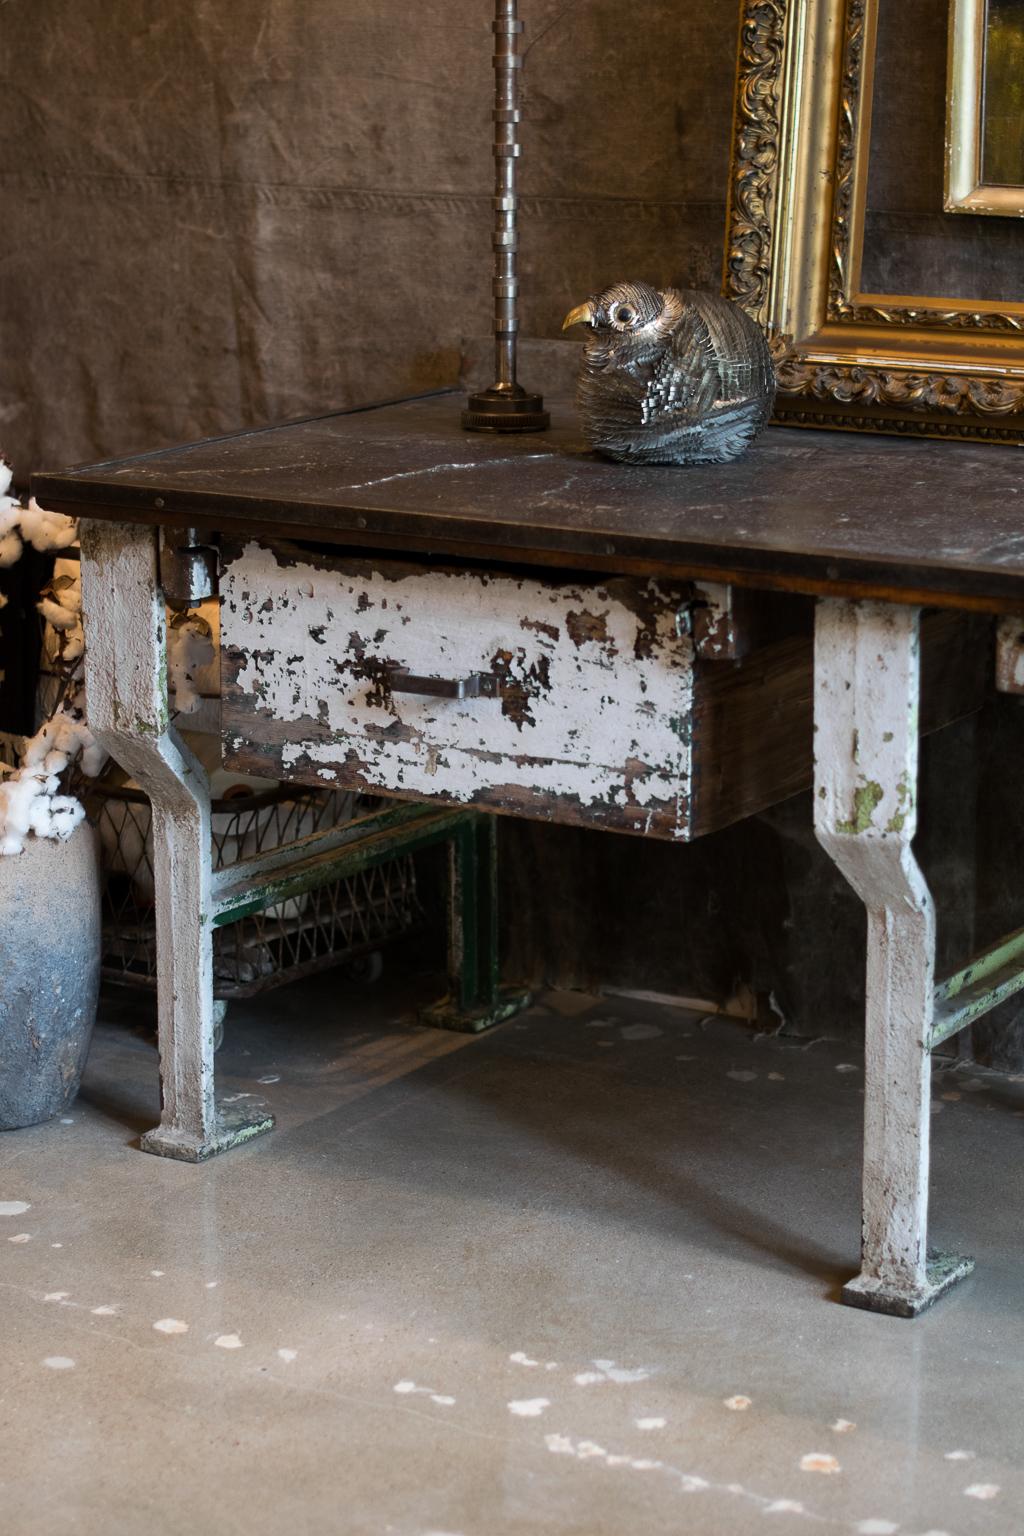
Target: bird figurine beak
x,y
583,314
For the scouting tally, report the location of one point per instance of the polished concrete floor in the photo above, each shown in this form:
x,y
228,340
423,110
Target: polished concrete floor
x,y
578,1276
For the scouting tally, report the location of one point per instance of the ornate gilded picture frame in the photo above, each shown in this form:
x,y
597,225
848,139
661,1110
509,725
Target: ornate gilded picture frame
x,y
851,358
985,116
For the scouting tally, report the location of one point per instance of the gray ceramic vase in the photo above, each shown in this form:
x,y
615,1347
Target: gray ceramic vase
x,y
49,974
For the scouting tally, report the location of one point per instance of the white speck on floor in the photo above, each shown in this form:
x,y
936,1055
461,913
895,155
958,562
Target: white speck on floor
x,y
843,1426
59,1362
607,1370
522,1358
819,1461
442,1400
876,1528
982,1491
738,1404
212,1284
20,1237
271,1077
14,1207
171,1325
640,1032
66,1120
56,1295
104,1311
157,1274
287,1355
959,1456
650,1423
529,1407
228,1341
784,1507
56,1245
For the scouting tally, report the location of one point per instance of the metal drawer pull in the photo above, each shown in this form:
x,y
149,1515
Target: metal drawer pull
x,y
478,685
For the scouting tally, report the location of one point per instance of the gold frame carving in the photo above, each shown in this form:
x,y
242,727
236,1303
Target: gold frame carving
x,y
966,192
907,363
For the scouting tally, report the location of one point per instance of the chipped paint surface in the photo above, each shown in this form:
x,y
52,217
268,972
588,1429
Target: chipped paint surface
x,y
867,672
594,685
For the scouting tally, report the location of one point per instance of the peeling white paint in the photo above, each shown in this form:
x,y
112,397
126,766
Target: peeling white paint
x,y
594,705
14,1207
171,1325
228,1341
529,1407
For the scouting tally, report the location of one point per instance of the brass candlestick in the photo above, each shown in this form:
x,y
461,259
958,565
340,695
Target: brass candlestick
x,y
506,406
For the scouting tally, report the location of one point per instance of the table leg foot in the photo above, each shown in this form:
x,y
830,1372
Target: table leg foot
x,y
234,1125
447,1014
874,1293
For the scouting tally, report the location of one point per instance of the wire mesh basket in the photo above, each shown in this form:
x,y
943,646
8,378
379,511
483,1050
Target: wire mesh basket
x,y
345,921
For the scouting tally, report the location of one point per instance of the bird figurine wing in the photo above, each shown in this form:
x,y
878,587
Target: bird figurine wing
x,y
671,377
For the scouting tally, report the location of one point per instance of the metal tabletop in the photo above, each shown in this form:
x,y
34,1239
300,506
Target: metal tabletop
x,y
830,513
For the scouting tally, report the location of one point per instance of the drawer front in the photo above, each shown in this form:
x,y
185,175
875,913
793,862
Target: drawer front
x,y
586,689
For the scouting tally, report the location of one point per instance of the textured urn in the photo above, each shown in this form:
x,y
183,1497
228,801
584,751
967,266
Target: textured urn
x,y
50,964
671,377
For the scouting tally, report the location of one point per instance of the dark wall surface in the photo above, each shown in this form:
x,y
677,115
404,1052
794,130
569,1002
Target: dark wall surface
x,y
218,215
224,214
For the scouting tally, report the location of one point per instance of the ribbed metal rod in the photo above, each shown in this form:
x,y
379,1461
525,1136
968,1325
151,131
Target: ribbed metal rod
x,y
506,406
507,150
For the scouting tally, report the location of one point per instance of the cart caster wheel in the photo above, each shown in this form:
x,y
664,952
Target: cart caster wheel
x,y
220,1009
367,969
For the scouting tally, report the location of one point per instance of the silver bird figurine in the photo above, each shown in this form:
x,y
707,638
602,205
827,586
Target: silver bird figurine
x,y
672,377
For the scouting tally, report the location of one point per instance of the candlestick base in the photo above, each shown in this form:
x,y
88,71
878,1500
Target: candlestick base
x,y
501,409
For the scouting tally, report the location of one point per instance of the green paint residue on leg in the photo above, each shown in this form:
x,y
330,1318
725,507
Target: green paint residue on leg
x,y
865,802
904,795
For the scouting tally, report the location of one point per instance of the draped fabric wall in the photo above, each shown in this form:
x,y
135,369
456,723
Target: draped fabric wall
x,y
221,214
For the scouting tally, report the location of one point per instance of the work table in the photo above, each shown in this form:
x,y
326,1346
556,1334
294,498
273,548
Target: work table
x,y
509,624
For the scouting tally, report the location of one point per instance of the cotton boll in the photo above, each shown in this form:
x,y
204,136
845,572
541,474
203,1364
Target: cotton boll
x,y
47,530
189,650
10,549
30,798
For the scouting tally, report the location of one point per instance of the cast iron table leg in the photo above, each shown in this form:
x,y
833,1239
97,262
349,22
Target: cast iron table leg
x,y
866,692
126,681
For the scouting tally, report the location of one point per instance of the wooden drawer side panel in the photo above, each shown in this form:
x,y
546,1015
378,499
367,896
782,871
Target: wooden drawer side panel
x,y
593,725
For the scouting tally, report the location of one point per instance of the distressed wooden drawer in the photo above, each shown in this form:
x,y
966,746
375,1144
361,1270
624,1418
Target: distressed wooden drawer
x,y
587,721
601,714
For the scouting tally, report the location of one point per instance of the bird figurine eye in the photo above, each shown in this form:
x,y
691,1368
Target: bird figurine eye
x,y
624,316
